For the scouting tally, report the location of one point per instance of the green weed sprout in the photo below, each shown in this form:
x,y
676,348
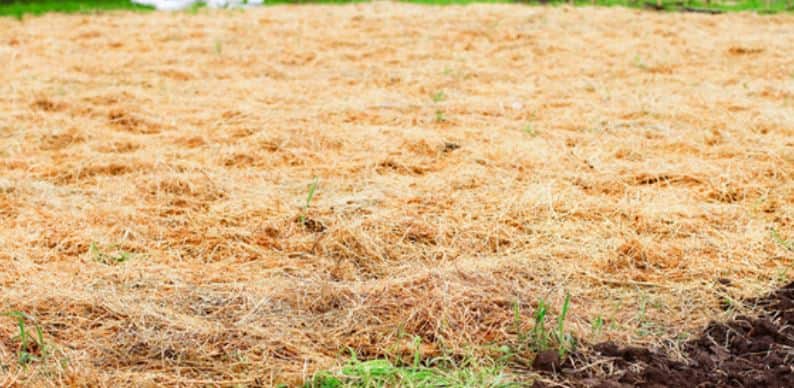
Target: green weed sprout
x,y
309,197
104,258
29,345
788,244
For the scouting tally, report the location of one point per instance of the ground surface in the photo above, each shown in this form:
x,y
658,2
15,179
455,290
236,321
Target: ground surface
x,y
153,170
746,352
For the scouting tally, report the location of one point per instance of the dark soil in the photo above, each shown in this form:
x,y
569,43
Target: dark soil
x,y
745,352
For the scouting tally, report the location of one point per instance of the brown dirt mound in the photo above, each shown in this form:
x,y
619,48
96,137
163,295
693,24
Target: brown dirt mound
x,y
744,352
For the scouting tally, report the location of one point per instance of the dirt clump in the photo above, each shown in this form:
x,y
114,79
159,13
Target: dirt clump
x,y
744,352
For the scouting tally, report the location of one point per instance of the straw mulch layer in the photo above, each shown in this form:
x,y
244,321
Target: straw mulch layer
x,y
153,170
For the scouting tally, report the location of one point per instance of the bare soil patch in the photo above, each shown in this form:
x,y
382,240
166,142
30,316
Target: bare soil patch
x,y
749,351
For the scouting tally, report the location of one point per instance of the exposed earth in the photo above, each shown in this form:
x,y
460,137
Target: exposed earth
x,y
755,351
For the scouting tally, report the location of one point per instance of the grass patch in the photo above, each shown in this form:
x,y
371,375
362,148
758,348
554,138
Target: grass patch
x,y
439,372
18,8
117,256
539,338
309,196
444,371
32,347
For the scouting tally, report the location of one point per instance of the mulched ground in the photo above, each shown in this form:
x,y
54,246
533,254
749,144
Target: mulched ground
x,y
471,161
745,352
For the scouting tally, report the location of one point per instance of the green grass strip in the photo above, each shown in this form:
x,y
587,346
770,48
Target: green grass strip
x,y
18,8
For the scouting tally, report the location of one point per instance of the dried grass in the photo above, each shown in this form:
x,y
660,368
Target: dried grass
x,y
660,155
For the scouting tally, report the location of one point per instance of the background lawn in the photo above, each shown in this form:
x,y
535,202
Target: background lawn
x,y
18,8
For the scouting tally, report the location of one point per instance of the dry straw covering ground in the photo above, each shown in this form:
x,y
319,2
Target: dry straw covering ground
x,y
154,170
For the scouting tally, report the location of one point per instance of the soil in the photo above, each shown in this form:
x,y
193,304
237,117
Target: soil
x,y
744,352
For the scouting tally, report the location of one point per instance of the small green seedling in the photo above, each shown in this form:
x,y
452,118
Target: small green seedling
x,y
218,47
788,244
565,341
439,96
109,259
309,197
540,338
31,348
728,304
417,352
517,321
530,131
638,62
440,116
597,326
782,274
645,325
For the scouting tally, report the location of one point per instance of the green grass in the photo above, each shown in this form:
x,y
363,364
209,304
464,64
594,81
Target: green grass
x,y
438,372
309,196
565,342
18,8
539,338
460,371
31,348
597,326
117,257
788,244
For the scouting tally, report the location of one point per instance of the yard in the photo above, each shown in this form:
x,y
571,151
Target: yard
x,y
384,193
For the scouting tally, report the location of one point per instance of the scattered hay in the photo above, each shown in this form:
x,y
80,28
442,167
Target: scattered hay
x,y
470,159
